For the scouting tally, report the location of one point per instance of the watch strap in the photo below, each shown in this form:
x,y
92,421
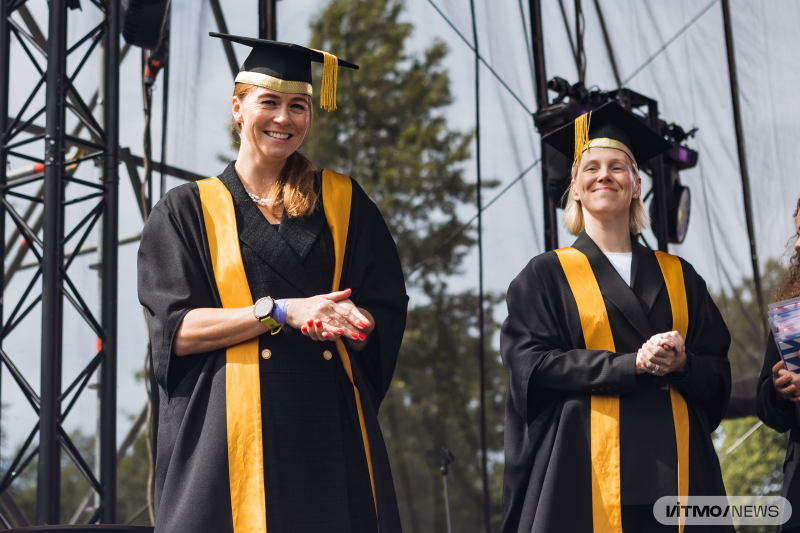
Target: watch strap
x,y
271,324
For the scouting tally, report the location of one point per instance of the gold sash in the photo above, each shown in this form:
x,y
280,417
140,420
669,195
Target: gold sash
x,y
242,379
604,419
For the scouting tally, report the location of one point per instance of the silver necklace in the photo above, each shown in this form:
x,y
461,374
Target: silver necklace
x,y
257,199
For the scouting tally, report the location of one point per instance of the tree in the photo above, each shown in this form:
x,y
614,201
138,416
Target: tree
x,y
754,467
389,133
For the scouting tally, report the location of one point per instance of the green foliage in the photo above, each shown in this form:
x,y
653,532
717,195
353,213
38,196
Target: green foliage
x,y
131,483
390,134
433,402
388,131
739,308
754,468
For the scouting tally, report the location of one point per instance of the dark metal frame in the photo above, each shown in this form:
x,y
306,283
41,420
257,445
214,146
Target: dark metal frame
x,y
95,143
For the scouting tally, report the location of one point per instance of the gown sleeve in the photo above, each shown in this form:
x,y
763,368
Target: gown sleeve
x,y
533,347
376,278
174,277
707,380
776,412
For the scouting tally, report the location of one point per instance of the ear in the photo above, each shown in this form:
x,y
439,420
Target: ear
x,y
236,110
574,190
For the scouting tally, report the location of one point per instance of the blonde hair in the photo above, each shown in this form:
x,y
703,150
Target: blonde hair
x,y
294,188
638,219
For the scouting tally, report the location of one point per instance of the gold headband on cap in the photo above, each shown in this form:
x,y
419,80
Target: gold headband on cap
x,y
273,83
582,142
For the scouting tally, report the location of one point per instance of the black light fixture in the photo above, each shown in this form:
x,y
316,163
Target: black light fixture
x,y
144,22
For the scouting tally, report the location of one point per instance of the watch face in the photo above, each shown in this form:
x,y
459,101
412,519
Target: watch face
x,y
263,307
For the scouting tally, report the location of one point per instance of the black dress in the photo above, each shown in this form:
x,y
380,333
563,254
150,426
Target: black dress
x,y
781,415
316,476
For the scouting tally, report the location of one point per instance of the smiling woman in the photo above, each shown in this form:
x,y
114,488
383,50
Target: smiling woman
x,y
616,354
276,306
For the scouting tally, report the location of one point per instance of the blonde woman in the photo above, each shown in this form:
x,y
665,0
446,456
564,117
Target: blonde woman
x,y
276,306
617,356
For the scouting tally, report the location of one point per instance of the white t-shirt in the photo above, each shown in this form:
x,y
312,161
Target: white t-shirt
x,y
622,262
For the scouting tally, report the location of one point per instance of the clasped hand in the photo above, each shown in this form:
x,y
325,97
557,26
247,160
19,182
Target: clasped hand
x,y
661,354
787,384
327,317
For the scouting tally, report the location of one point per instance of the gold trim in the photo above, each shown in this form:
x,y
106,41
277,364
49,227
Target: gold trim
x,y
242,391
605,142
604,417
273,83
337,193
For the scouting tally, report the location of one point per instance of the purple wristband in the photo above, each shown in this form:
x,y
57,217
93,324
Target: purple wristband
x,y
280,311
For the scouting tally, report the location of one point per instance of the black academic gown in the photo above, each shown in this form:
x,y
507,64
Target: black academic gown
x,y
316,474
781,415
552,376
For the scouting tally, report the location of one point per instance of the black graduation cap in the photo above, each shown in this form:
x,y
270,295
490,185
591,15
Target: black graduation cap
x,y
286,67
608,126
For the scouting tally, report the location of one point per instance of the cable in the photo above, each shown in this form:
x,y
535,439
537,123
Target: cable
x,y
487,65
669,42
487,519
467,224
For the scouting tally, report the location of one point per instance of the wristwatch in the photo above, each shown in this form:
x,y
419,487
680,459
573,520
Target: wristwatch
x,y
264,311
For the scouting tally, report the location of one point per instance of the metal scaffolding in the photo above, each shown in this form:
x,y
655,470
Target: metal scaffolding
x,y
90,141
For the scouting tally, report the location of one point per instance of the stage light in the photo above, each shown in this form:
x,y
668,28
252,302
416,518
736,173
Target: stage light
x,y
144,22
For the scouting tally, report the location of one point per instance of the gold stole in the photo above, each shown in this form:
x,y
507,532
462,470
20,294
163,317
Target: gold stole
x,y
242,379
605,443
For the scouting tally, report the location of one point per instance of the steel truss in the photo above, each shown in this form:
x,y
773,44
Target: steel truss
x,y
46,236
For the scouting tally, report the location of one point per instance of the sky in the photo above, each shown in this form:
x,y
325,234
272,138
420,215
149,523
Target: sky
x,y
689,79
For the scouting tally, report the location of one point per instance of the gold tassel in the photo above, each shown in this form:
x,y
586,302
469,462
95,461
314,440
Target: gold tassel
x,y
581,136
330,71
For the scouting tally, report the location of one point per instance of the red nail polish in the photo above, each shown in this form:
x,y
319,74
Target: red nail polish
x,y
361,324
355,336
324,335
310,323
304,329
318,323
340,331
362,336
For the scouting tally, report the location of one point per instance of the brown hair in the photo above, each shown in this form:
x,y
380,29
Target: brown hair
x,y
295,188
639,218
789,287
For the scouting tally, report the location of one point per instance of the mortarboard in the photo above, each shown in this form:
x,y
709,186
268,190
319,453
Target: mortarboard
x,y
608,126
286,67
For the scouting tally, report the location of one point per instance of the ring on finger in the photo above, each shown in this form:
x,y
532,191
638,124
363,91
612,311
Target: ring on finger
x,y
655,369
328,319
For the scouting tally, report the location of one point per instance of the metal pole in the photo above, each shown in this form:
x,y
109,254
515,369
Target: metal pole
x,y
580,54
267,20
660,186
737,124
607,41
49,475
537,44
5,55
108,383
223,28
481,321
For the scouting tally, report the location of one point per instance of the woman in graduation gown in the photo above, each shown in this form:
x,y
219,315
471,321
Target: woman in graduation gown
x,y
617,356
779,392
276,306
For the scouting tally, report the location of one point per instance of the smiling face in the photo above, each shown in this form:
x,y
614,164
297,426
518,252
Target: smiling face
x,y
272,124
605,183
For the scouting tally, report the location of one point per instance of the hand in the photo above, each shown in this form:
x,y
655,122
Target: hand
x,y
328,317
787,384
667,350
